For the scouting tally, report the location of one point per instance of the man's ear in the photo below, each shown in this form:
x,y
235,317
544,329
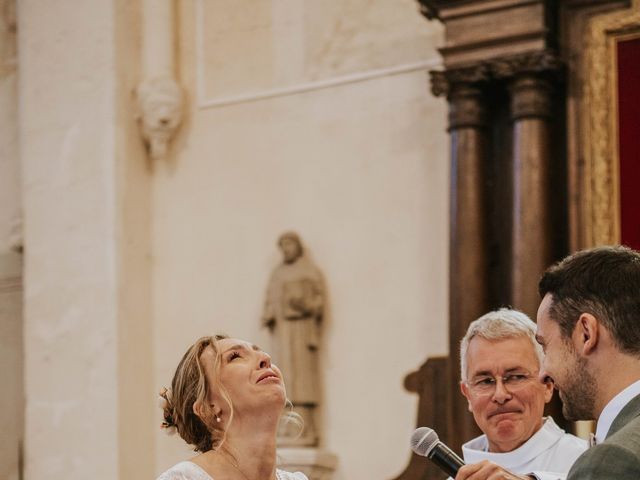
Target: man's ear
x,y
464,388
548,390
586,334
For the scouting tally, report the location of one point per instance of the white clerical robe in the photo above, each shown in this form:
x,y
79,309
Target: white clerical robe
x,y
548,454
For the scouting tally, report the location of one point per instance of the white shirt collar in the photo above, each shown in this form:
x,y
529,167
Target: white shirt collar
x,y
613,408
477,450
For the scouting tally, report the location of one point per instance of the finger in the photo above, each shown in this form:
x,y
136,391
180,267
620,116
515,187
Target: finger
x,y
467,471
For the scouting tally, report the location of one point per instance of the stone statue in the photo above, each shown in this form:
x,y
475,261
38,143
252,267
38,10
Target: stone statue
x,y
293,312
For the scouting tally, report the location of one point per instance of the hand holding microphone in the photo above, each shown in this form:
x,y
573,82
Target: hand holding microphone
x,y
425,442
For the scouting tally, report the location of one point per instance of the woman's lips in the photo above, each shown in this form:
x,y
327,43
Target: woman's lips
x,y
268,377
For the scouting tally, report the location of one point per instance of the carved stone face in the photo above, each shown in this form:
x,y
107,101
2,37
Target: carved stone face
x,y
161,115
291,249
160,104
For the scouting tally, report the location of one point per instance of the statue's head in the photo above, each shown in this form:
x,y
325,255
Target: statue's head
x,y
291,246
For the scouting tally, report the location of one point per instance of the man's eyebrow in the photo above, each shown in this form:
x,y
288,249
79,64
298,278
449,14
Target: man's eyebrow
x,y
482,373
515,369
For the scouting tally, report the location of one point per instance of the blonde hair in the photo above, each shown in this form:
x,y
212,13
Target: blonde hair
x,y
189,387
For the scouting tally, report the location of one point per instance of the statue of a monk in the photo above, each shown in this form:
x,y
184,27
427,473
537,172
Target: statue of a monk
x,y
293,312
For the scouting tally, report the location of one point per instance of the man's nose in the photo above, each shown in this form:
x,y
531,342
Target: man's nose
x,y
501,394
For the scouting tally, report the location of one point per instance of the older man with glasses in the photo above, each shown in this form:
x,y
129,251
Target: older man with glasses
x,y
500,363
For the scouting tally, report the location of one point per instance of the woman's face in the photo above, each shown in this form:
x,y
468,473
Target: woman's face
x,y
246,372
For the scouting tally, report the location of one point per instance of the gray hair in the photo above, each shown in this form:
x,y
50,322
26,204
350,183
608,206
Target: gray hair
x,y
498,325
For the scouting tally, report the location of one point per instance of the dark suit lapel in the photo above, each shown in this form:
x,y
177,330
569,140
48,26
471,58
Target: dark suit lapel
x,y
628,413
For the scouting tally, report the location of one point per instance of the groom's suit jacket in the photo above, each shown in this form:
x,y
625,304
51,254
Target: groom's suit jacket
x,y
618,457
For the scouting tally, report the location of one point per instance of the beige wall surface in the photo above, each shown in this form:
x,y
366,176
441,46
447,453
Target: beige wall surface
x,y
66,122
348,148
85,185
304,115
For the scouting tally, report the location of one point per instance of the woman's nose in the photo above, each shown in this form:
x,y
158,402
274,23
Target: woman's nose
x,y
265,360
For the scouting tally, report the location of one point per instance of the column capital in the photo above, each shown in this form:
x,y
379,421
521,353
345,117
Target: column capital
x,y
467,107
463,88
444,81
543,63
530,97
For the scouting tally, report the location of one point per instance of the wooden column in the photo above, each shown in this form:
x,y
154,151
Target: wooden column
x,y
468,286
532,249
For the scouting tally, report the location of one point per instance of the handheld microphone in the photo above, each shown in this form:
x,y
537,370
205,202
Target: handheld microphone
x,y
425,442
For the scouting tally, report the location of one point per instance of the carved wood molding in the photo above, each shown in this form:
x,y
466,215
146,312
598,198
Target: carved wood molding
x,y
543,62
442,82
534,62
600,198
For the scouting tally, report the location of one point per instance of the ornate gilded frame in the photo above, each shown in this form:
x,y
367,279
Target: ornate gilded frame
x,y
600,183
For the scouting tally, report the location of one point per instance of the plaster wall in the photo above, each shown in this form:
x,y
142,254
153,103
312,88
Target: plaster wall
x,y
87,221
316,117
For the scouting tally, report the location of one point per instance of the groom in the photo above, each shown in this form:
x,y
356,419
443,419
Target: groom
x,y
589,327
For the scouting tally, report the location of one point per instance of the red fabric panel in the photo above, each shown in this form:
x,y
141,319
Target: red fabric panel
x,y
629,128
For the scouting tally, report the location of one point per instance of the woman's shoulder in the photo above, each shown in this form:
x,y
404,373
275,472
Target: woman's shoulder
x,y
282,475
185,471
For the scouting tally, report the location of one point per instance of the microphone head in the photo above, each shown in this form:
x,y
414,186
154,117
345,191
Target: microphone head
x,y
423,440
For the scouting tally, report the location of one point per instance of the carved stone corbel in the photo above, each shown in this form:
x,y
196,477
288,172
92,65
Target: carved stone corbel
x,y
160,100
160,107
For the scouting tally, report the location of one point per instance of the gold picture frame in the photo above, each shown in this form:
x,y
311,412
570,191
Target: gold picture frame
x,y
600,192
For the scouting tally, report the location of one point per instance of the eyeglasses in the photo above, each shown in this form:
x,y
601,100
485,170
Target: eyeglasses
x,y
514,381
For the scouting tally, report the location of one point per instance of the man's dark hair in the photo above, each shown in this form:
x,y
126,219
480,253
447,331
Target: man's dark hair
x,y
602,281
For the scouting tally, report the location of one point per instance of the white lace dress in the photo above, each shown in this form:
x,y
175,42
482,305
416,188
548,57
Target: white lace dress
x,y
191,471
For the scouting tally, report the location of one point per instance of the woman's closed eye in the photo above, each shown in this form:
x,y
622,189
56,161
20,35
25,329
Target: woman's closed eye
x,y
233,355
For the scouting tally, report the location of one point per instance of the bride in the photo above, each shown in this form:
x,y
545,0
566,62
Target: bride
x,y
226,400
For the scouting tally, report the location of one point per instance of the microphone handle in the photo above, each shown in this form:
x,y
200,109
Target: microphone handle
x,y
446,459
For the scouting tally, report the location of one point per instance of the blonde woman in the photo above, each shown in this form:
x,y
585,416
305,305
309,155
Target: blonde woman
x,y
226,400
